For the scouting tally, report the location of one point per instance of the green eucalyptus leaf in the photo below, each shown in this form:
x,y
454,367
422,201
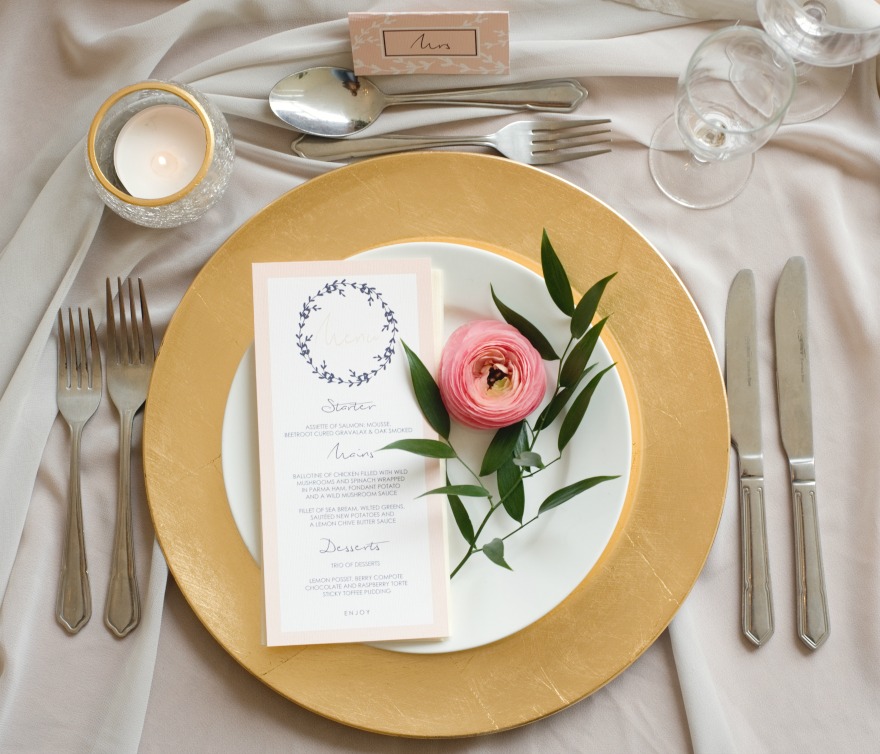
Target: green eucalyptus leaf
x,y
575,414
576,361
555,277
586,308
528,330
559,497
559,401
426,448
427,394
511,491
509,477
494,550
500,450
528,459
522,442
465,490
462,519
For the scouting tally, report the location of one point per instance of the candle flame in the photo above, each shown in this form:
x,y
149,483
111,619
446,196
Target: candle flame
x,y
164,164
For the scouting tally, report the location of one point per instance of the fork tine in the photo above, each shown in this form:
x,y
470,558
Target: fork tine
x,y
73,363
569,135
562,125
137,335
149,343
63,359
95,354
586,139
562,141
124,333
553,158
565,147
112,335
134,351
83,360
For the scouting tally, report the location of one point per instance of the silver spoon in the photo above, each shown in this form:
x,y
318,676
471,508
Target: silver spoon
x,y
333,102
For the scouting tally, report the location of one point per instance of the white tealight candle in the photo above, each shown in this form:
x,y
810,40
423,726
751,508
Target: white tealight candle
x,y
159,151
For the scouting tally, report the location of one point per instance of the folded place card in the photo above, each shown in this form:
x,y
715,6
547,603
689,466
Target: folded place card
x,y
350,550
475,42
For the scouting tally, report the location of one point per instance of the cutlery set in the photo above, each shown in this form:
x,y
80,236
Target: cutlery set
x,y
330,104
795,421
130,356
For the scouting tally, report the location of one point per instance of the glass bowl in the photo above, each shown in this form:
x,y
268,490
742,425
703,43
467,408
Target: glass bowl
x,y
194,199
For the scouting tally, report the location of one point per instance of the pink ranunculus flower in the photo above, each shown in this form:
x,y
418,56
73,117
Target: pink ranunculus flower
x,y
490,376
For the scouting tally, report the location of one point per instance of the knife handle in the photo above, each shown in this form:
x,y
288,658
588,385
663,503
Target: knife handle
x,y
812,606
757,598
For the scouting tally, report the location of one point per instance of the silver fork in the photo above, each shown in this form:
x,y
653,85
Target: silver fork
x,y
78,394
130,355
532,142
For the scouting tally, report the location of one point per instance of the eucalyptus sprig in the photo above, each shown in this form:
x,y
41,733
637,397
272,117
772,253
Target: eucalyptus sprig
x,y
511,455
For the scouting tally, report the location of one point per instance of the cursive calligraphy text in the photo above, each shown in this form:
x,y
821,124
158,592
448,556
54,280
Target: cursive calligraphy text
x,y
328,546
337,454
337,332
332,407
424,44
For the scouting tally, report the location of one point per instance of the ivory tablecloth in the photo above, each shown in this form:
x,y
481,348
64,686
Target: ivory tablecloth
x,y
815,191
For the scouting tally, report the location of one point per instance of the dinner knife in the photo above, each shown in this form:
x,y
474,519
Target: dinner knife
x,y
796,427
744,402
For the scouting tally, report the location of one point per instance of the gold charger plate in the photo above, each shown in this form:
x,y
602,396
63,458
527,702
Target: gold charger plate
x,y
677,480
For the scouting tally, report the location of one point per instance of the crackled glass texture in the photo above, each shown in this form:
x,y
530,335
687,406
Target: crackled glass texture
x,y
203,195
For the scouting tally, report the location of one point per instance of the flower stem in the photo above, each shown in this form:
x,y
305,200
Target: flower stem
x,y
520,527
562,361
467,468
474,550
494,505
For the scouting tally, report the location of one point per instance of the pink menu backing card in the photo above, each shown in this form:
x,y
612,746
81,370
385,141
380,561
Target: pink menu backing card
x,y
475,42
350,551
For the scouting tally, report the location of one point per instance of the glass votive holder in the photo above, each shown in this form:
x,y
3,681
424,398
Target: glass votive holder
x,y
160,150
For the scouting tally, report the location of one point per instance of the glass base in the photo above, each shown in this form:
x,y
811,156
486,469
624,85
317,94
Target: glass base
x,y
685,179
818,91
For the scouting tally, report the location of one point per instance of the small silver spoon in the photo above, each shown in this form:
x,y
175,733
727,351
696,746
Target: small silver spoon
x,y
333,102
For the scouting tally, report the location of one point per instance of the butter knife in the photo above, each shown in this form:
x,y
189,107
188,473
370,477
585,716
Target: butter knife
x,y
744,401
796,427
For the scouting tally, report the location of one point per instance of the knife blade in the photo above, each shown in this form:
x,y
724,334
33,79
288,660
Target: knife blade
x,y
796,427
744,403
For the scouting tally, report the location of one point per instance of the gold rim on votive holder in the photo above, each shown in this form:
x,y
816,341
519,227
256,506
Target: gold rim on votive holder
x,y
147,86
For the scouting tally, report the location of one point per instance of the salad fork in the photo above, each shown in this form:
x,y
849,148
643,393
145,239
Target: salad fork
x,y
532,142
130,356
78,393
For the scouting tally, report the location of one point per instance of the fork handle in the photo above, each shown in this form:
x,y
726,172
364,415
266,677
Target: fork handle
x,y
123,609
316,148
74,604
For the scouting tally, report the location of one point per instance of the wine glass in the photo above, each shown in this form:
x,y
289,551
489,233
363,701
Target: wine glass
x,y
825,37
730,101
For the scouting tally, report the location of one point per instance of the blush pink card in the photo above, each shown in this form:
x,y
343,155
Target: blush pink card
x,y
350,551
453,43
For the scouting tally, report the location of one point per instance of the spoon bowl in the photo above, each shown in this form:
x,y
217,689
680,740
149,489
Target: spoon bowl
x,y
335,103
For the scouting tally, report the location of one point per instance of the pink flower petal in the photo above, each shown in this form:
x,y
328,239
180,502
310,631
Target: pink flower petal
x,y
490,376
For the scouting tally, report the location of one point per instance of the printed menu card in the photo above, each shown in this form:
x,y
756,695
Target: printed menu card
x,y
350,551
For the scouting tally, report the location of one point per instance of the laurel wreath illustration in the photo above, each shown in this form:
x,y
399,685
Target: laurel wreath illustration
x,y
313,304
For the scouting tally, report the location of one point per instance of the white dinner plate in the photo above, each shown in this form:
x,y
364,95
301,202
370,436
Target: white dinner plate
x,y
551,556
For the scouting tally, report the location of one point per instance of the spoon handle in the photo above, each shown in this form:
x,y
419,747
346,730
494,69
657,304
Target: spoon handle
x,y
555,96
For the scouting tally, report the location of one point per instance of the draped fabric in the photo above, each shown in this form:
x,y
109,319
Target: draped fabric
x,y
814,191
